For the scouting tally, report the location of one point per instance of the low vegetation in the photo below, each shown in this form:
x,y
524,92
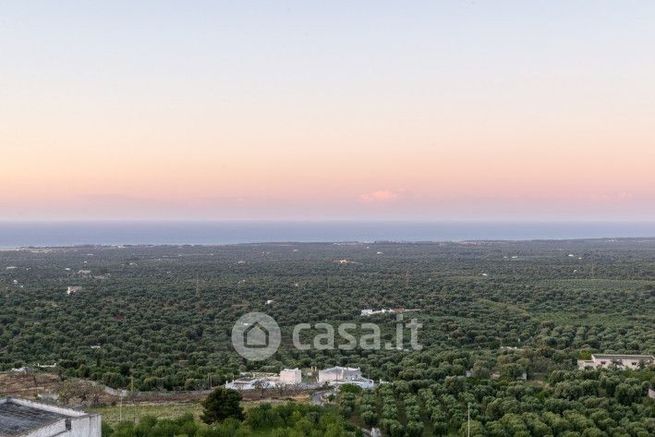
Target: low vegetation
x,y
289,419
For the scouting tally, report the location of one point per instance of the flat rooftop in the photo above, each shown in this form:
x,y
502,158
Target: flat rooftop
x,y
16,419
341,369
624,356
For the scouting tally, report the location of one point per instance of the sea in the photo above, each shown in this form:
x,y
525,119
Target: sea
x,y
57,234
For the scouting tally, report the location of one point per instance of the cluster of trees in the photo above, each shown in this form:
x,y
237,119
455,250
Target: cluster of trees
x,y
159,318
569,403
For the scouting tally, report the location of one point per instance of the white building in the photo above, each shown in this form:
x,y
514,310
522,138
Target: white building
x,y
23,418
290,376
243,384
616,360
344,375
370,312
255,381
72,289
334,374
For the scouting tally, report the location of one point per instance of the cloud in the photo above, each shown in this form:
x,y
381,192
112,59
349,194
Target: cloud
x,y
380,196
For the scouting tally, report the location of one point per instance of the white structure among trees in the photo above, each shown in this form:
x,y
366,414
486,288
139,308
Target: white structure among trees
x,y
344,375
290,376
334,374
616,360
266,381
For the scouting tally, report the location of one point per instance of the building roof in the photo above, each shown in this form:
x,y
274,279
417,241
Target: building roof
x,y
623,357
17,418
340,369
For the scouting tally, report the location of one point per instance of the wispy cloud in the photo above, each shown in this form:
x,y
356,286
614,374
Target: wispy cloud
x,y
379,196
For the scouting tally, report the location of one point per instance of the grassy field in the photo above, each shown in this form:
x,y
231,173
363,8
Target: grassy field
x,y
112,414
167,410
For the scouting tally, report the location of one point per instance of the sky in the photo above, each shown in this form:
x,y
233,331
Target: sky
x,y
310,110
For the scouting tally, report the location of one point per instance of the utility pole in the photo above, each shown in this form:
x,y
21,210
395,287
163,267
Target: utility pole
x,y
132,395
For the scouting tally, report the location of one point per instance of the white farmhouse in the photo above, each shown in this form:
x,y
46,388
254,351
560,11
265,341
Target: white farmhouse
x,y
370,312
290,376
265,381
616,360
248,383
338,374
344,375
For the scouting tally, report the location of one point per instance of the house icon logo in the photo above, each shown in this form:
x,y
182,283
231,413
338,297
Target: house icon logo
x,y
256,336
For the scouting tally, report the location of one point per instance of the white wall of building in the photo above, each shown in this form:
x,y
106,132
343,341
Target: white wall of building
x,y
290,376
81,424
86,426
621,361
336,374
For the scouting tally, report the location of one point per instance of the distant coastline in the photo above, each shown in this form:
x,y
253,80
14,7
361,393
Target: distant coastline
x,y
58,234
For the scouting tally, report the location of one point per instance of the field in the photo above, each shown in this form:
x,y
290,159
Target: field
x,y
133,412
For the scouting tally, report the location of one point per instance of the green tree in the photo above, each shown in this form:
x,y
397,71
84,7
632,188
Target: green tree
x,y
221,404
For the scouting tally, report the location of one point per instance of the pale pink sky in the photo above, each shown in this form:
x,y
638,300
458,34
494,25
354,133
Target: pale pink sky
x,y
447,111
